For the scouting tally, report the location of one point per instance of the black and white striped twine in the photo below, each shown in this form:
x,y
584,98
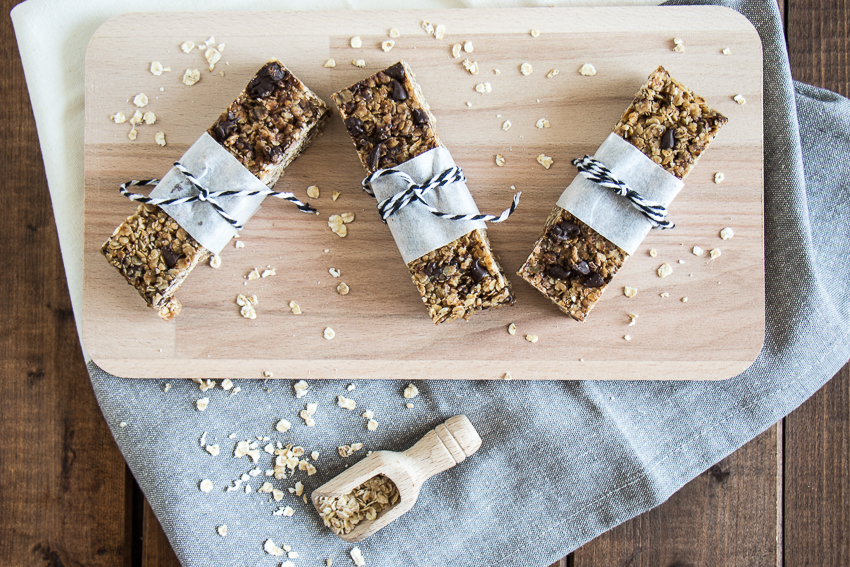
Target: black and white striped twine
x,y
416,192
205,195
595,171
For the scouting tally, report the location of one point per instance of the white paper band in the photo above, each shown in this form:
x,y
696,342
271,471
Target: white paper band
x,y
613,216
416,231
217,170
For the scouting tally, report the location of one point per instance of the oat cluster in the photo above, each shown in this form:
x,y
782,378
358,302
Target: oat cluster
x,y
342,513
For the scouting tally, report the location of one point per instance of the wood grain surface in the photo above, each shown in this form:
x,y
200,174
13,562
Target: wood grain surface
x,y
45,522
715,335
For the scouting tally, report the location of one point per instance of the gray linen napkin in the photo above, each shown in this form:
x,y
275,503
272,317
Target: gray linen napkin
x,y
561,462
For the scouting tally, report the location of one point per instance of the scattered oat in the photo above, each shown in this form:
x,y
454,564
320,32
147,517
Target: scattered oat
x,y
456,50
222,531
542,123
526,69
268,272
545,161
140,100
329,562
408,405
330,63
496,72
440,31
726,233
118,118
342,288
253,274
202,404
531,338
328,333
588,70
471,66
347,217
122,425
313,192
681,261
226,384
307,415
653,252
149,118
159,138
137,118
467,46
664,294
334,272
678,45
368,414
664,270
507,376
246,304
372,425
411,391
500,160
633,317
206,485
213,56
358,63
684,300
512,329
506,125
191,76
629,291
552,73
335,195
387,45
627,337
357,557
428,27
213,450
714,253
132,134
187,46
725,51
346,403
295,308
394,33
697,251
534,33
301,387
337,226
239,245
356,42
739,98
483,88
719,177
166,387
268,374
348,450
283,426
270,548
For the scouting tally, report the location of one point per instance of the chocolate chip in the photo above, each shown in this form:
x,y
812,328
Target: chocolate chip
x,y
570,230
274,71
558,272
223,130
261,86
169,257
375,157
419,116
668,140
274,153
354,125
478,272
396,71
593,280
581,267
433,269
399,93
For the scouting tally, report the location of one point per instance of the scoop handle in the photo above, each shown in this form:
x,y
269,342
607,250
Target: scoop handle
x,y
443,447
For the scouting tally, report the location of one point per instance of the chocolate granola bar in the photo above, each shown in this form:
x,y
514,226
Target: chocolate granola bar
x,y
571,263
390,123
268,125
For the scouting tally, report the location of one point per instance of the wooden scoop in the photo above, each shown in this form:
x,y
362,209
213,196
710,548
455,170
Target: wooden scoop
x,y
441,448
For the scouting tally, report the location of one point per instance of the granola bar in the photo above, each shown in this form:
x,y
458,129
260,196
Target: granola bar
x,y
571,263
268,125
390,123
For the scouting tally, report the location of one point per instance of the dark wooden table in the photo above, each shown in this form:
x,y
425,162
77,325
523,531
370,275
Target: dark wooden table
x,y
68,500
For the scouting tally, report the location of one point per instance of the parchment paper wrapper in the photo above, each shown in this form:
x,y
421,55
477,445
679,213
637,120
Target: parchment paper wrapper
x,y
609,214
217,170
415,230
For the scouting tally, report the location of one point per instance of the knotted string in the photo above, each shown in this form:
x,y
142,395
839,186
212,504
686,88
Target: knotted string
x,y
596,171
207,196
417,192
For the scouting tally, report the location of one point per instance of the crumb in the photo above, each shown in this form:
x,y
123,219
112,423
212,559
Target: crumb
x,y
157,68
118,118
664,294
629,291
342,288
372,425
295,308
627,337
328,333
534,33
159,138
697,251
222,531
526,69
467,46
507,376
739,98
506,125
202,404
471,66
132,134
512,329
213,450
270,548
681,261
387,45
440,31
542,123
191,76
408,405
301,387
714,253
684,300
726,233
356,42
719,177
531,338
394,33
283,426
330,63
346,403
206,485
483,88
588,70
678,45
333,272
653,252
187,46
500,160
725,51
313,192
357,557
411,391
239,245
140,100
358,63
428,27
664,270
633,317
268,272
545,161
268,374
552,73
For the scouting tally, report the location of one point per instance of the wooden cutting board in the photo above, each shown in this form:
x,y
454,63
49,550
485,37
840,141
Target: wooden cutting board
x,y
382,329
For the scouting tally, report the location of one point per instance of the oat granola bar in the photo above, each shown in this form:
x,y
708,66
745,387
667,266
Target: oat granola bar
x,y
571,263
390,123
268,125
